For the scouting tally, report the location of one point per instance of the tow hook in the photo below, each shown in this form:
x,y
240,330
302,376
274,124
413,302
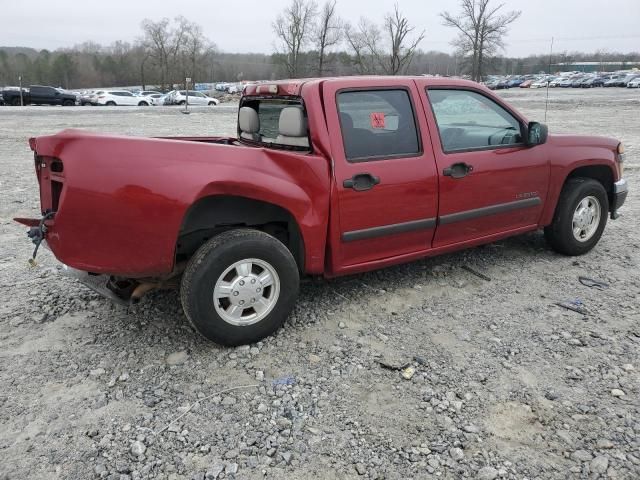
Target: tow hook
x,y
37,234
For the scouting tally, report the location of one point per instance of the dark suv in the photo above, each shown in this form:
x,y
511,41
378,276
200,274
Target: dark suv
x,y
40,95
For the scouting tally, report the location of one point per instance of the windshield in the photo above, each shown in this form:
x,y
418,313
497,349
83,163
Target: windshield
x,y
277,122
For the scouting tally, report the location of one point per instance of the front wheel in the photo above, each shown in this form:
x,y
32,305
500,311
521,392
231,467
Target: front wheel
x,y
143,104
239,287
110,104
68,103
580,217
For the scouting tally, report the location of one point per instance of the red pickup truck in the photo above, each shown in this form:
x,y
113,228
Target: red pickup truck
x,y
326,177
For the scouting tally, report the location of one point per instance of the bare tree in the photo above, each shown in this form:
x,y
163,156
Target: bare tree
x,y
293,28
364,40
389,49
402,48
328,33
166,45
157,40
482,28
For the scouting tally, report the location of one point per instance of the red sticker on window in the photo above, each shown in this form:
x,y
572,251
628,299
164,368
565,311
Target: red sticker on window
x,y
377,120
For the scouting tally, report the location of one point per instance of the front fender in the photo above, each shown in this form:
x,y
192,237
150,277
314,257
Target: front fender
x,y
568,153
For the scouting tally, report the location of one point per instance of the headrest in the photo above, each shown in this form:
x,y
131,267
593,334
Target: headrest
x,y
248,120
346,121
292,122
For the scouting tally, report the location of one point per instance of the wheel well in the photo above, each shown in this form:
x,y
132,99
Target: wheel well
x,y
600,173
210,216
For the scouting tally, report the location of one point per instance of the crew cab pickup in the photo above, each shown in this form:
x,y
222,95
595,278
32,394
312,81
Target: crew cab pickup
x,y
39,95
326,177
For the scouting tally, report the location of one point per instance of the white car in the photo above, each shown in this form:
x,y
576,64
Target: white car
x,y
156,98
111,98
195,98
635,83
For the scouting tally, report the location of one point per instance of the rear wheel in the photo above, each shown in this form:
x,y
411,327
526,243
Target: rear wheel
x,y
580,217
143,104
110,103
68,103
15,102
182,102
239,287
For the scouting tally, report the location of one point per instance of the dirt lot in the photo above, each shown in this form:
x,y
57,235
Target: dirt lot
x,y
507,384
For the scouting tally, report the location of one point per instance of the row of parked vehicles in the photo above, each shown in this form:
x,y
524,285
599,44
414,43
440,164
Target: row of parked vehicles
x,y
567,80
44,95
145,98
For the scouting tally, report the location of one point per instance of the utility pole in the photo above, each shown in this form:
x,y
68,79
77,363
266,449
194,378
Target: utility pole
x,y
186,104
21,100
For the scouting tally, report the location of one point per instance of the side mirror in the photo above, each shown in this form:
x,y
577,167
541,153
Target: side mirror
x,y
536,134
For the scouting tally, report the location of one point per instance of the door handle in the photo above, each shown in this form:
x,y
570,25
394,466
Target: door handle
x,y
458,170
361,182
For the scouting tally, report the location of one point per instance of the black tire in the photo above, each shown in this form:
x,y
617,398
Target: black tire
x,y
212,260
68,103
16,102
110,103
560,234
212,104
182,102
143,104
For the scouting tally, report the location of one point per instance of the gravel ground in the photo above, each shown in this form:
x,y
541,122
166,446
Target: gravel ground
x,y
504,383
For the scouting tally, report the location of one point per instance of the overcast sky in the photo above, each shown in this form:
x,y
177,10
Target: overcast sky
x,y
245,25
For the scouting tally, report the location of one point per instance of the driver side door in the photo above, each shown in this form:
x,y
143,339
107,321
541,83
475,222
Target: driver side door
x,y
490,182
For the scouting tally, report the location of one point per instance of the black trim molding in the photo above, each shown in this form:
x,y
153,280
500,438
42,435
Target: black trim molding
x,y
392,229
490,210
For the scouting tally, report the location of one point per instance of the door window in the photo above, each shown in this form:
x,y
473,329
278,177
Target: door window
x,y
468,120
377,124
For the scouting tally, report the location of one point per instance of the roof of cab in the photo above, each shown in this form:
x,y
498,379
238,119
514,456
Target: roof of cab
x,y
293,87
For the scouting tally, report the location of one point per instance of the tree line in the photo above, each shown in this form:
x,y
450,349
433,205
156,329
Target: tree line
x,y
311,40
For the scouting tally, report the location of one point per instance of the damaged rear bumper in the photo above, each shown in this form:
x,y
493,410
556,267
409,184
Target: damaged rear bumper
x,y
98,283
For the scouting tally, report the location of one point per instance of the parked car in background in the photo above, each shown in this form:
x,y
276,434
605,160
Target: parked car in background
x,y
593,82
614,81
112,98
179,97
541,83
156,98
635,83
526,84
88,97
629,78
40,95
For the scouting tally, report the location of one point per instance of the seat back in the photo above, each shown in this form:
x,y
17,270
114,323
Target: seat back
x,y
292,128
249,124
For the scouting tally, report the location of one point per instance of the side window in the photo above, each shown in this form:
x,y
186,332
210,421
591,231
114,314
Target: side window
x,y
468,120
377,124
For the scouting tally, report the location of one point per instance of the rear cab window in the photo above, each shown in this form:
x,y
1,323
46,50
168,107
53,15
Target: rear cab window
x,y
377,124
278,122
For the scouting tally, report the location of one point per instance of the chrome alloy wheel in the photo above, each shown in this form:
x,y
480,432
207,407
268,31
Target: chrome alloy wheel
x,y
246,292
586,218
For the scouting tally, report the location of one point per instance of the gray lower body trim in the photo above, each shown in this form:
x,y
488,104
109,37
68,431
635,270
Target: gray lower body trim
x,y
384,230
490,210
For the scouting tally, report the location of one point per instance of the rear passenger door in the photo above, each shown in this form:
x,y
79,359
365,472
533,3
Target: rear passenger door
x,y
384,195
